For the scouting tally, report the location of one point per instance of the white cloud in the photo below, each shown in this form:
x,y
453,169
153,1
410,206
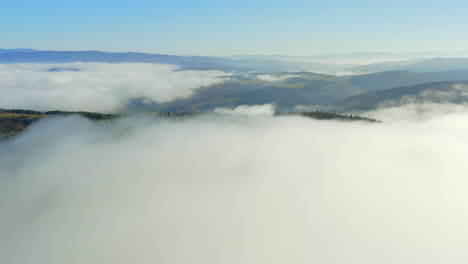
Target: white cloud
x,y
306,108
416,112
248,110
230,189
99,87
273,78
446,96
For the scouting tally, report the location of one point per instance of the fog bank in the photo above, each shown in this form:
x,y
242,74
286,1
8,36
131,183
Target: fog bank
x,y
99,87
235,188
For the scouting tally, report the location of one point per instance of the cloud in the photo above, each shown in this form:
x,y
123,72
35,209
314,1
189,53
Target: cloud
x,y
272,78
96,87
306,108
229,189
248,110
456,92
416,112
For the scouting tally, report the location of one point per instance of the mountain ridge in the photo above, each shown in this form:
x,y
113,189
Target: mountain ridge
x,y
434,92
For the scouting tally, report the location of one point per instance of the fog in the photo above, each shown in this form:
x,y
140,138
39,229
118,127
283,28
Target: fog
x,y
99,87
237,186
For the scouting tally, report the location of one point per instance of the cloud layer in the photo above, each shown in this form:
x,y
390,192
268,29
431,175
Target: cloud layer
x,y
96,87
234,189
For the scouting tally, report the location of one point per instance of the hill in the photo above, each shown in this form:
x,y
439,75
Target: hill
x,y
384,66
14,121
391,79
284,89
436,92
287,90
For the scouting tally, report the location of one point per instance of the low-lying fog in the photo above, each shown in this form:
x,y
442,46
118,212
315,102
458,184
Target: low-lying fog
x,y
238,187
96,87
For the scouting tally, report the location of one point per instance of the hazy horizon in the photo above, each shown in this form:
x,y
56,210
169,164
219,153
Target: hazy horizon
x,y
252,54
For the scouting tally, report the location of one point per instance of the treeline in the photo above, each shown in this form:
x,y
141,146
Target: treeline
x,y
10,126
13,121
90,115
21,111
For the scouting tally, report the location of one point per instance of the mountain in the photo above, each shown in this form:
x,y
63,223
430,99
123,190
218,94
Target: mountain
x,y
391,79
436,92
357,58
384,66
415,65
373,57
325,63
186,62
439,64
279,65
16,50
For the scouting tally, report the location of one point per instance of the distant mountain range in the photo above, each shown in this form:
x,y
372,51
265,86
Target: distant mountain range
x,y
284,83
326,64
357,58
416,65
199,63
290,90
186,62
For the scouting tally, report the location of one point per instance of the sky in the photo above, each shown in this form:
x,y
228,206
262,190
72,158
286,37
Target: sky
x,y
241,27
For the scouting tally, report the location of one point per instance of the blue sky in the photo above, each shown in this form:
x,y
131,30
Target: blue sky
x,y
208,27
